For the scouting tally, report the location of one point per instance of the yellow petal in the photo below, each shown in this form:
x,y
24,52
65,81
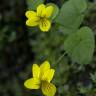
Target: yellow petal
x,y
48,75
36,71
41,10
33,21
49,11
48,89
45,25
44,66
30,14
32,83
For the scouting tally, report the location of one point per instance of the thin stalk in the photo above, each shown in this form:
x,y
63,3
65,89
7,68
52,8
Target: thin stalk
x,y
60,58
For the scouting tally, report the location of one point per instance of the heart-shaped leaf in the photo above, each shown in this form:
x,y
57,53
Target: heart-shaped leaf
x,y
80,45
71,15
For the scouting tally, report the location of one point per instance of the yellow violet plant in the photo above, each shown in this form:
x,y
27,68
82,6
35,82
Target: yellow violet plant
x,y
40,18
41,79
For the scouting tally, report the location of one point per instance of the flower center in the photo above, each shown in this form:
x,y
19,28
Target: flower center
x,y
43,83
42,19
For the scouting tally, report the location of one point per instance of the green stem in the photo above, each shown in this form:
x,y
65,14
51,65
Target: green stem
x,y
60,58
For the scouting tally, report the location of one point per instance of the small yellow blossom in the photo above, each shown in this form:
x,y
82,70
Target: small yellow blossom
x,y
40,17
41,79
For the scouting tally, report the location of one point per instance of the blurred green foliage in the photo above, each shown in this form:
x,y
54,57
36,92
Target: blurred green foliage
x,y
18,43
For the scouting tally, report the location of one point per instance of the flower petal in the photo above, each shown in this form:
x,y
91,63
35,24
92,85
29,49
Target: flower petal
x,y
44,69
41,10
32,83
33,21
49,11
48,75
30,14
48,89
36,71
45,25
44,66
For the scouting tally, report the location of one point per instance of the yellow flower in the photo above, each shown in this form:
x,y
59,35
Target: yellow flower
x,y
41,79
40,18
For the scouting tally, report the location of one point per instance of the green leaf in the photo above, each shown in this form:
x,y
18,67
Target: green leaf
x,y
56,10
71,15
32,4
80,45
